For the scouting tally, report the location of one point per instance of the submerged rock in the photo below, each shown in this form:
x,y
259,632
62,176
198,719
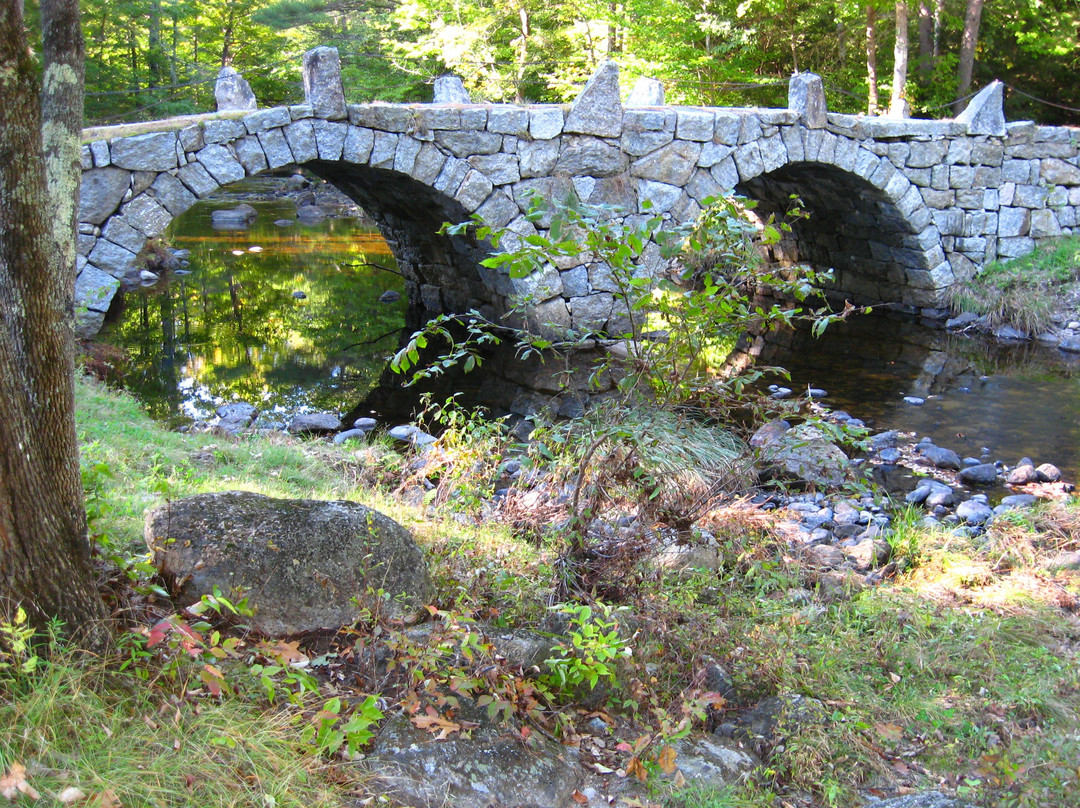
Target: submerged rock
x,y
302,564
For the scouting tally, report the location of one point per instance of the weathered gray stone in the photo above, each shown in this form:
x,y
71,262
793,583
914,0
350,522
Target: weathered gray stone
x,y
672,164
806,96
1058,172
804,453
383,150
223,130
538,158
598,109
475,188
408,149
330,138
197,179
694,124
322,83
232,92
111,258
250,154
508,119
265,119
358,144
592,156
660,196
221,164
172,194
931,799
450,90
646,93
499,168
152,152
984,114
386,117
465,143
94,289
101,193
147,215
99,151
302,564
301,138
545,122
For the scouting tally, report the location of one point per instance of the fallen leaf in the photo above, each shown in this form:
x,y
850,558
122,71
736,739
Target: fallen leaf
x,y
637,768
70,795
436,724
579,798
14,783
107,799
891,733
666,759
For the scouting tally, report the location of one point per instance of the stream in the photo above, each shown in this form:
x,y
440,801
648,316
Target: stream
x,y
303,317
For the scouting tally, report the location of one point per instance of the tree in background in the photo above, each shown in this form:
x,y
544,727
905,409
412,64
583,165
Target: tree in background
x,y
968,39
45,564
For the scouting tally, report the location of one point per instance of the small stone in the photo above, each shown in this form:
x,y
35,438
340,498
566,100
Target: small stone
x,y
1016,501
390,296
962,320
1007,333
1048,473
824,556
147,275
973,512
314,423
237,409
366,424
1022,475
816,392
889,455
350,434
914,400
982,474
781,393
941,458
299,295
284,222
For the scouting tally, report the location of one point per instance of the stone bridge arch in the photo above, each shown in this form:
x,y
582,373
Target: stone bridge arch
x,y
900,208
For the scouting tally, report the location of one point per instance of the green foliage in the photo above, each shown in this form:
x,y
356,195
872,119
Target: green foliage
x,y
594,649
1027,291
17,656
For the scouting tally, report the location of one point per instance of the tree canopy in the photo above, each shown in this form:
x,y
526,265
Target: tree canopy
x,y
153,58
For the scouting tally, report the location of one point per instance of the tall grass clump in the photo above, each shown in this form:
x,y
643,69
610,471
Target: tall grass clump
x,y
1025,292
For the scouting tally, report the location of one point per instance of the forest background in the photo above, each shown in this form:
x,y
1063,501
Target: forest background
x,y
150,59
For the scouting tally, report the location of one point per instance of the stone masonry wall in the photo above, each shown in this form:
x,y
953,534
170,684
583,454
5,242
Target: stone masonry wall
x,y
901,208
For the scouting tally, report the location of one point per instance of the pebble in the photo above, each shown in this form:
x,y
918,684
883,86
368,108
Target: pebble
x,y
350,434
1022,475
365,424
781,393
974,512
1048,473
816,392
889,455
941,458
914,400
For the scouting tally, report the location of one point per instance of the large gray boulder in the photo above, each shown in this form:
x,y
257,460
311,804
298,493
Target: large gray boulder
x,y
302,564
232,92
802,453
598,110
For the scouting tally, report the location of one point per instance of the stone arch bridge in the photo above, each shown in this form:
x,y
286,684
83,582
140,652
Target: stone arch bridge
x,y
901,208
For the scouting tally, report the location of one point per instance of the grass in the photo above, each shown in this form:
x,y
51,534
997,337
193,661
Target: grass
x,y
1026,292
81,725
961,674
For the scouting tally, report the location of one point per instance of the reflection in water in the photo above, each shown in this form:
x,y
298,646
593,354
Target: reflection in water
x,y
287,318
1015,400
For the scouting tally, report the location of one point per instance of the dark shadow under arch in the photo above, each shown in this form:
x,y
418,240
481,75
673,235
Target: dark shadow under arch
x,y
852,227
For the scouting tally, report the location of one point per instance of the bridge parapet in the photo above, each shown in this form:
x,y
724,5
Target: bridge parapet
x,y
902,208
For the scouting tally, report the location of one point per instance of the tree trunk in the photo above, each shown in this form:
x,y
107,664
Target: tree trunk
x,y
45,563
898,101
522,55
968,42
871,60
927,57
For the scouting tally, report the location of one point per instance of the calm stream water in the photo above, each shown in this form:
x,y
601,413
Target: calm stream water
x,y
289,319
286,318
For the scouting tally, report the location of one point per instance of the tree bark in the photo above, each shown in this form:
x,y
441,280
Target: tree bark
x,y
45,563
898,100
968,41
927,57
871,60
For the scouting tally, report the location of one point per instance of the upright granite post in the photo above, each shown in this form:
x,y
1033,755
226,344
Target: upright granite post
x,y
985,114
806,95
451,90
598,109
232,92
322,83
